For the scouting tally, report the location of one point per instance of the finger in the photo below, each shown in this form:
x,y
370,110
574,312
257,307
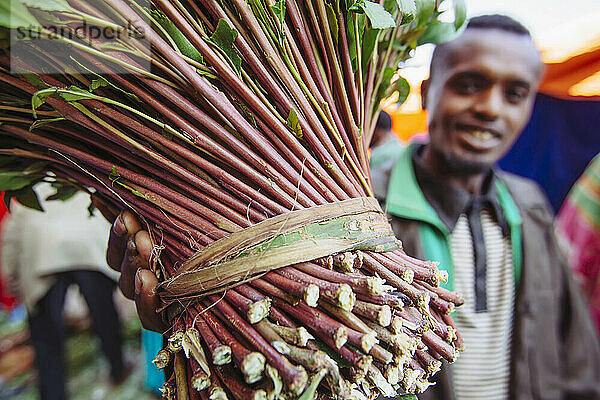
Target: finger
x,y
116,243
147,301
137,255
129,266
125,225
144,247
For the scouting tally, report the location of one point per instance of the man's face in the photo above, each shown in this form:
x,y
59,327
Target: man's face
x,y
480,97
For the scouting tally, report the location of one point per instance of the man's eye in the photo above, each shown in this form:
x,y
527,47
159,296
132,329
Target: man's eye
x,y
516,94
467,86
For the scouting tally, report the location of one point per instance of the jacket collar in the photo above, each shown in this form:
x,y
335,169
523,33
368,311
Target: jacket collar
x,y
406,199
450,201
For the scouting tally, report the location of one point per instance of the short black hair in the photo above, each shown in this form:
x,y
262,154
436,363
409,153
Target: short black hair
x,y
384,121
497,21
490,21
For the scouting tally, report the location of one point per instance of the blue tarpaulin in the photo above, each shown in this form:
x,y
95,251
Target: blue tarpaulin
x,y
560,140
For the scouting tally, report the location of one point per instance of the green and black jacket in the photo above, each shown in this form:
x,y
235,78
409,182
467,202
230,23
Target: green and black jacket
x,y
555,351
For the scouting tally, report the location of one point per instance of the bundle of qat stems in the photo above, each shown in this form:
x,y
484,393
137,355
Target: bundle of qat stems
x,y
237,131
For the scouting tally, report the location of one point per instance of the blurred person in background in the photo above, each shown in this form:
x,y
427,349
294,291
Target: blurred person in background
x,y
526,330
385,145
578,224
43,253
383,134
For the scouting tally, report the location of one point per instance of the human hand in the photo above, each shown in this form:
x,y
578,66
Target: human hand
x,y
129,250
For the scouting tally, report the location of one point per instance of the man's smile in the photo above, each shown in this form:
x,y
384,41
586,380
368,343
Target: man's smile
x,y
478,138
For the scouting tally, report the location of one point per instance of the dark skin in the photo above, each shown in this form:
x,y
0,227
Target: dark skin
x,y
129,250
380,137
478,105
479,99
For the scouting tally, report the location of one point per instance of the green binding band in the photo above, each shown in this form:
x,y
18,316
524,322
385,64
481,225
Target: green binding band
x,y
290,238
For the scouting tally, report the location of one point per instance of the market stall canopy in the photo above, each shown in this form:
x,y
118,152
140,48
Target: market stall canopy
x,y
575,76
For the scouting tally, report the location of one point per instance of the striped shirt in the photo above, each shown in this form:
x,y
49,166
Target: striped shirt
x,y
483,370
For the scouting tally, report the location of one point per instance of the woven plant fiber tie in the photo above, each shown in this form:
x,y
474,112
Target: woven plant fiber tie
x,y
286,239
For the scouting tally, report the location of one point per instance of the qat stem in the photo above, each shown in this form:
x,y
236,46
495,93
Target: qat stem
x,y
295,378
361,86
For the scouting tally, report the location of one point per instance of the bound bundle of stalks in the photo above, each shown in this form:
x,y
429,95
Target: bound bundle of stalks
x,y
237,131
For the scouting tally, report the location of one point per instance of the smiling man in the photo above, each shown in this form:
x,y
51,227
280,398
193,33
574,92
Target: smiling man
x,y
526,331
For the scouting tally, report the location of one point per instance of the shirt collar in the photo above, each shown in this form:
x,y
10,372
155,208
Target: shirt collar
x,y
450,201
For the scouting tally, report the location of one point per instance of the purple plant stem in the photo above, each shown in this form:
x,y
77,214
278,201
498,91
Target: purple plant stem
x,y
294,377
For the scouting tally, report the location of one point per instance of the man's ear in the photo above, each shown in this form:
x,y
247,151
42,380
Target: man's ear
x,y
424,90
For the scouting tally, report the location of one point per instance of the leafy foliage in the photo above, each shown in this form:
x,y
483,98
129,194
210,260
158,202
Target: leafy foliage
x,y
377,15
14,14
224,38
25,196
294,124
181,41
63,192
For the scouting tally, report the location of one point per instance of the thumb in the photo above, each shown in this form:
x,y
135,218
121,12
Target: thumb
x,y
147,301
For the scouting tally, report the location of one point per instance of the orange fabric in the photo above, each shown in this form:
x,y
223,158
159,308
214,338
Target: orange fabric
x,y
406,125
560,77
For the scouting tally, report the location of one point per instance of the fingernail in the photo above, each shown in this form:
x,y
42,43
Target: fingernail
x,y
138,281
119,227
131,246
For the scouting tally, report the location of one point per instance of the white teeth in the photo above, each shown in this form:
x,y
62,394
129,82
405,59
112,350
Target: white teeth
x,y
483,136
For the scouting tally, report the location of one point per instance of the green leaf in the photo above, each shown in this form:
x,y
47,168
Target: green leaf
x,y
183,44
15,15
114,175
293,124
369,43
310,391
4,38
388,73
357,7
48,5
408,8
224,38
15,180
379,17
438,32
98,82
425,9
6,198
333,22
361,19
403,88
460,13
63,193
279,10
248,114
28,198
36,81
73,93
408,397
91,209
39,98
42,122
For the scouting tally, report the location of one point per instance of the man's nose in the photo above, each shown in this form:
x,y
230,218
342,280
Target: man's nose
x,y
489,103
